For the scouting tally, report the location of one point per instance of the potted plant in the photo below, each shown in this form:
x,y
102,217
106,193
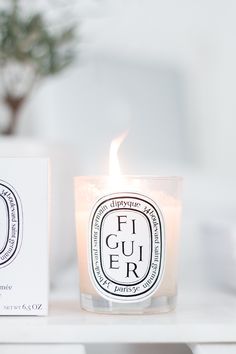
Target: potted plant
x,y
30,51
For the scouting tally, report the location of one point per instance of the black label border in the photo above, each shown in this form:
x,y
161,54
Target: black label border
x,y
124,195
19,211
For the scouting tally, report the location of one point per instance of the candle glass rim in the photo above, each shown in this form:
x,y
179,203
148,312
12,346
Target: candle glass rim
x,y
148,177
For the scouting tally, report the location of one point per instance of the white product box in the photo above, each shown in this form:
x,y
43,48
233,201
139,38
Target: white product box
x,y
24,236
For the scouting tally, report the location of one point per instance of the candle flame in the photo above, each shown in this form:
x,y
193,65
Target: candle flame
x,y
117,181
114,165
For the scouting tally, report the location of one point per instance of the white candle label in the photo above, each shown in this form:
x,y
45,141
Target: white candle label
x,y
10,224
126,247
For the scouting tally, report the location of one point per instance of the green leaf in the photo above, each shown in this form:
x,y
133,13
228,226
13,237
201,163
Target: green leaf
x,y
28,39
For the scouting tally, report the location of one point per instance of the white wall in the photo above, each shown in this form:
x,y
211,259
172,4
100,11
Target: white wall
x,y
107,96
165,70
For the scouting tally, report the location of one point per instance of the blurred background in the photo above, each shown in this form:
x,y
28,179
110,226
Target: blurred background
x,y
163,70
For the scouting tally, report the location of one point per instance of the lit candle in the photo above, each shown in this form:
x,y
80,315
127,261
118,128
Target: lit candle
x,y
127,237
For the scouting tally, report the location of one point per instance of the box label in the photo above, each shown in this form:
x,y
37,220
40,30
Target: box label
x,y
10,224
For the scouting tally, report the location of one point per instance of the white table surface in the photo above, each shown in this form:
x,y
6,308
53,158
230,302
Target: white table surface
x,y
199,318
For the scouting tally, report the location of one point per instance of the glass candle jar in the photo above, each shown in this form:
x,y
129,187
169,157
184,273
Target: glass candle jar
x,y
127,239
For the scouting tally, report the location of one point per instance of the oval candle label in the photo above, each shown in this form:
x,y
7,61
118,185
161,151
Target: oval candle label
x,y
126,245
10,224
